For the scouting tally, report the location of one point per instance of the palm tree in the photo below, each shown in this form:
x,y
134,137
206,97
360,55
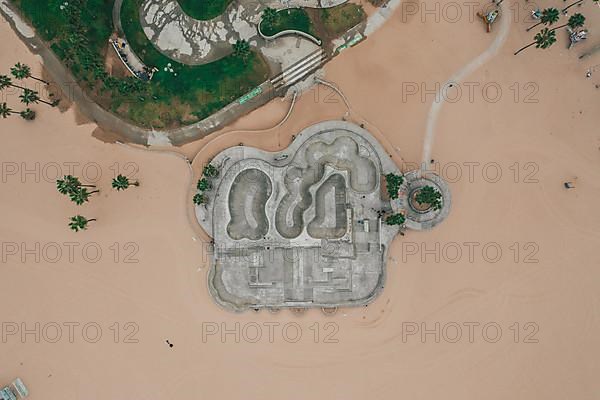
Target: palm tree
x,y
22,71
429,195
79,223
549,16
269,16
5,82
81,195
210,171
99,73
28,114
395,219
199,198
31,96
203,185
68,184
542,40
575,21
241,49
121,182
6,111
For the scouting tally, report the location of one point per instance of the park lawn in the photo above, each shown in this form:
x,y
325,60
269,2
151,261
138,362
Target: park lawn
x,y
204,9
48,20
167,101
289,19
204,88
51,22
337,20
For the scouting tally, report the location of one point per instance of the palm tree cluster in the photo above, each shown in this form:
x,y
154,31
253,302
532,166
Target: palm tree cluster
x,y
75,50
27,114
241,49
28,96
204,184
269,17
393,183
210,171
395,219
78,193
547,36
70,186
429,195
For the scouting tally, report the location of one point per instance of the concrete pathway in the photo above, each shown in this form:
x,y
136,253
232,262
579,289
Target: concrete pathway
x,y
193,42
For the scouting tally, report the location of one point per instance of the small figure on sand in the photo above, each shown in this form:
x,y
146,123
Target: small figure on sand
x,y
570,184
489,18
591,70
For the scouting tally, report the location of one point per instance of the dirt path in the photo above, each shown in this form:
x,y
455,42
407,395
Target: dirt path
x,y
438,102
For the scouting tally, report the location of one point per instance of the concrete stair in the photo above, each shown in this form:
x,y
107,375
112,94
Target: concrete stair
x,y
299,70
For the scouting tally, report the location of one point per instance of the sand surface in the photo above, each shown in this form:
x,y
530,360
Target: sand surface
x,y
542,291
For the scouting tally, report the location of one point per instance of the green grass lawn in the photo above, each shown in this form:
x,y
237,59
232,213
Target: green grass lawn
x,y
51,22
169,100
196,90
289,19
339,19
204,9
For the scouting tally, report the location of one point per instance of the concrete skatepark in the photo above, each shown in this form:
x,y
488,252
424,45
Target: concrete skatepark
x,y
303,227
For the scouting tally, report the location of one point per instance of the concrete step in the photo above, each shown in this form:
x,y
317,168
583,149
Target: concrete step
x,y
297,65
299,70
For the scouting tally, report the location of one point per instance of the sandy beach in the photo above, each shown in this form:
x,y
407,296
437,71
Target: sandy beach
x,y
501,300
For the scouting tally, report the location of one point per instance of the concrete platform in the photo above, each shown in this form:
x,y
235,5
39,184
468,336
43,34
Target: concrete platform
x,y
300,228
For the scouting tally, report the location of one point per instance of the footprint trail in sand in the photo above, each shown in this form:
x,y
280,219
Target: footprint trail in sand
x,y
484,57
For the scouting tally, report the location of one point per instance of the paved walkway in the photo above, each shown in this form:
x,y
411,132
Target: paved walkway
x,y
193,42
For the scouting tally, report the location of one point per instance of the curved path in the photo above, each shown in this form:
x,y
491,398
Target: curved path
x,y
468,69
116,17
194,42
